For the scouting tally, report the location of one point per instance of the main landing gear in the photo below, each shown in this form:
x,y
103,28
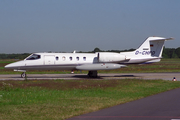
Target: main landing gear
x,y
92,74
23,75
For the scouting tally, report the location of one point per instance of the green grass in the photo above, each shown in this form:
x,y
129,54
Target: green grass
x,y
166,65
61,99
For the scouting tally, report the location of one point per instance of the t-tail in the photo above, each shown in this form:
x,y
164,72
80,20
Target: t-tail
x,y
150,51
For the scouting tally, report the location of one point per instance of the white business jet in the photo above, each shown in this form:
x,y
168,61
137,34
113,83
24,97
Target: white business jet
x,y
150,51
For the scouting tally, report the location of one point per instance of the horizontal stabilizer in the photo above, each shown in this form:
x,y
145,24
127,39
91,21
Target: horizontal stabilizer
x,y
159,38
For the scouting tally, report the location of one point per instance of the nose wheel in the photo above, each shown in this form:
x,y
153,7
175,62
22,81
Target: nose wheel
x,y
23,75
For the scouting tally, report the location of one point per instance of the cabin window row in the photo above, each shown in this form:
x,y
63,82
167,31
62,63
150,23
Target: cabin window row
x,y
70,58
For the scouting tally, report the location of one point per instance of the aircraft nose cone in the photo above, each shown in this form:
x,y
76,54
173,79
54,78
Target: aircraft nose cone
x,y
8,66
14,65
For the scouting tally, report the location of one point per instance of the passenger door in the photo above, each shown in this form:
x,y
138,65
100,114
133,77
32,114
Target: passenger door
x,y
49,60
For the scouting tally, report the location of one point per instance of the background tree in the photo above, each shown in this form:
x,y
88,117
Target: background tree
x,y
177,51
97,50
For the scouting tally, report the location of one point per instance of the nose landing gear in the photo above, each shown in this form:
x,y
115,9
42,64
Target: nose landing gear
x,y
23,75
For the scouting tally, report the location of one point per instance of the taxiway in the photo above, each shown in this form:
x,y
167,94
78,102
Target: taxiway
x,y
146,76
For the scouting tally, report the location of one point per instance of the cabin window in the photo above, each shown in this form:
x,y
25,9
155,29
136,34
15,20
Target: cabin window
x,y
77,58
57,58
84,58
70,58
34,57
63,58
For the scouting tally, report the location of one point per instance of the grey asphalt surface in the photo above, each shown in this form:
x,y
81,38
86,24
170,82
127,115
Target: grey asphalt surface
x,y
163,106
152,76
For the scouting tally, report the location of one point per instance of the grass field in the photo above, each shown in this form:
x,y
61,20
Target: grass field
x,y
61,99
166,65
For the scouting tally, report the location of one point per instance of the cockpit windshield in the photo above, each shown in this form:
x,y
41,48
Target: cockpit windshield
x,y
33,57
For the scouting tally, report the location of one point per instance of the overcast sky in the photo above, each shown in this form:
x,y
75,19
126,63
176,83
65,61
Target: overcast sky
x,y
28,26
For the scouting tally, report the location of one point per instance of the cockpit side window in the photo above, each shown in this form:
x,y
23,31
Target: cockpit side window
x,y
34,57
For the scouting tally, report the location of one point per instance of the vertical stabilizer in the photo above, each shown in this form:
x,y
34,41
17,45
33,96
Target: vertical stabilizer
x,y
153,46
151,49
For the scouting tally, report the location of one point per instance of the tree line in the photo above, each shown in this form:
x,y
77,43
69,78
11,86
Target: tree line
x,y
167,53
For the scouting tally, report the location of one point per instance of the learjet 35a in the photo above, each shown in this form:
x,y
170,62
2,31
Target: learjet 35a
x,y
149,52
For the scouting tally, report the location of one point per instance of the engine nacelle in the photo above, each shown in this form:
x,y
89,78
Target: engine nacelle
x,y
110,57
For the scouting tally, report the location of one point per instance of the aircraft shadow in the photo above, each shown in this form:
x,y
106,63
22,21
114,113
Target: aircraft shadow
x,y
79,76
103,76
125,76
86,77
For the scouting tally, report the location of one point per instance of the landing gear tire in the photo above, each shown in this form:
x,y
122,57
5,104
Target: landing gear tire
x,y
92,74
23,75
